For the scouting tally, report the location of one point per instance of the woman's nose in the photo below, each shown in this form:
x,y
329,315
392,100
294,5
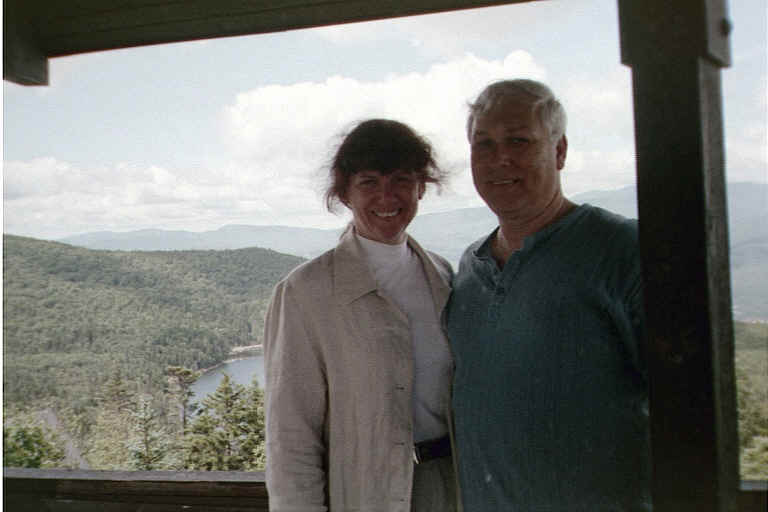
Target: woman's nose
x,y
387,188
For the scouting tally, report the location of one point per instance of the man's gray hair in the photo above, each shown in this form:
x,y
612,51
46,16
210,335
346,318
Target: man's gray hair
x,y
545,105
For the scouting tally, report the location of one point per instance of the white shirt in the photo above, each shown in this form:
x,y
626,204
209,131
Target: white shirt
x,y
400,277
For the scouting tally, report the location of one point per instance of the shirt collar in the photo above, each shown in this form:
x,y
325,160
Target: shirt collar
x,y
483,251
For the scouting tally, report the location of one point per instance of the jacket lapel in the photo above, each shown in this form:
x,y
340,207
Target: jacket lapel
x,y
351,277
438,279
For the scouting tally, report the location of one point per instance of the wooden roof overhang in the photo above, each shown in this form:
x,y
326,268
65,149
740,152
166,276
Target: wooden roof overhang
x,y
676,50
35,30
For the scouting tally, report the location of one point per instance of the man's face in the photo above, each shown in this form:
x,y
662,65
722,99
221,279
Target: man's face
x,y
515,163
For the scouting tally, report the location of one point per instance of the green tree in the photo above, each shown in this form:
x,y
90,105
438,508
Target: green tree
x,y
149,444
180,382
30,447
228,434
754,460
106,447
752,423
117,394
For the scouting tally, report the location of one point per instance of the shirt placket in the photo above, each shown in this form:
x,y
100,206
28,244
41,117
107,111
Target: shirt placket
x,y
501,281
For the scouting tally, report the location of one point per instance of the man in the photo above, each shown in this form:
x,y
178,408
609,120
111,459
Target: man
x,y
550,392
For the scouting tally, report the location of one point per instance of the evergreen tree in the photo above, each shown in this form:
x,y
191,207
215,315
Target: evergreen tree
x,y
117,395
228,435
256,423
180,380
30,447
754,460
105,444
149,445
752,423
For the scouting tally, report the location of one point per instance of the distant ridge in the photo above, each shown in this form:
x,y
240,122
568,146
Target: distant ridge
x,y
449,233
303,242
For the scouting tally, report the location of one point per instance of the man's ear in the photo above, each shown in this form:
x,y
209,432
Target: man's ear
x,y
422,189
562,151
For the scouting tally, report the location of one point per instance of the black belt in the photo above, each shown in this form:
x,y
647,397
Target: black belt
x,y
431,449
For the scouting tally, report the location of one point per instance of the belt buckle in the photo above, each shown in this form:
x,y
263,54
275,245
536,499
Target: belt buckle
x,y
416,455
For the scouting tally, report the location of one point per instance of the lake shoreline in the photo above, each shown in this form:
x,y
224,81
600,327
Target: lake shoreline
x,y
236,354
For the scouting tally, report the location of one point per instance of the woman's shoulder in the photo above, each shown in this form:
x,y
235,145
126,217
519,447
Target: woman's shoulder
x,y
310,275
442,265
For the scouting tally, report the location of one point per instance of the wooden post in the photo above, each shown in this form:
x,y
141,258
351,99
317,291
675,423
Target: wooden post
x,y
676,50
24,62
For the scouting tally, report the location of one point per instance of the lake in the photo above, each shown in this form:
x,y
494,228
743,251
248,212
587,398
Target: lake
x,y
240,371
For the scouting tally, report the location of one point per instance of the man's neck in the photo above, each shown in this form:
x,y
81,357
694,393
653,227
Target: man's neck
x,y
512,233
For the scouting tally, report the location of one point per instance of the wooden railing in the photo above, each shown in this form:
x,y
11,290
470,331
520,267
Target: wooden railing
x,y
60,490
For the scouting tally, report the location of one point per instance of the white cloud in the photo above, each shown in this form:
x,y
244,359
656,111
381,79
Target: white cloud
x,y
281,136
288,133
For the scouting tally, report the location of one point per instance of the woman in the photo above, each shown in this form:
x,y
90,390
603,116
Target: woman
x,y
358,369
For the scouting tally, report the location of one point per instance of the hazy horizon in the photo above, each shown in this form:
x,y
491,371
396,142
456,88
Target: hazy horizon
x,y
194,136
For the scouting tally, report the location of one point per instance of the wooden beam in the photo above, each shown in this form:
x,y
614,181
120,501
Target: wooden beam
x,y
753,495
24,62
91,25
676,50
191,491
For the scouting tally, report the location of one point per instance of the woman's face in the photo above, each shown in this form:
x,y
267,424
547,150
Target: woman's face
x,y
383,205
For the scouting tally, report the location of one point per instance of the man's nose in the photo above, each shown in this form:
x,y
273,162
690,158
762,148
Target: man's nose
x,y
504,154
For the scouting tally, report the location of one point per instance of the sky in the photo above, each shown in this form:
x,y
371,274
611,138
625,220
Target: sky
x,y
199,135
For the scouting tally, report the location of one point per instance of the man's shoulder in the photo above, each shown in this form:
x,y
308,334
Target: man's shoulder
x,y
608,225
610,241
598,214
467,262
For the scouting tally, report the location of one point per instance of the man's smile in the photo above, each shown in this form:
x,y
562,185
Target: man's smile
x,y
511,181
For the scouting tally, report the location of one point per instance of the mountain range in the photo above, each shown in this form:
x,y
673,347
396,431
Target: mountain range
x,y
449,233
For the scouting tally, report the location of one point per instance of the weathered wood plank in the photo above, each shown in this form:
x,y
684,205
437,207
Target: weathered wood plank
x,y
140,490
753,496
684,245
24,61
92,25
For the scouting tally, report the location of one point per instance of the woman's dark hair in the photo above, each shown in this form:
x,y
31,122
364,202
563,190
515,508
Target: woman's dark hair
x,y
381,145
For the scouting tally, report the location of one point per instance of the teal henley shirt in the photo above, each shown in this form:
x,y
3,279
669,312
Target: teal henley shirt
x,y
550,392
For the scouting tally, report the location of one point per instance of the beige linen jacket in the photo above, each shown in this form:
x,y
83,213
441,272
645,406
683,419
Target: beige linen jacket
x,y
339,375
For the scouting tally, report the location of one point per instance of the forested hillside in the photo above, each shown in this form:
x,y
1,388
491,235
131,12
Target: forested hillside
x,y
101,348
74,317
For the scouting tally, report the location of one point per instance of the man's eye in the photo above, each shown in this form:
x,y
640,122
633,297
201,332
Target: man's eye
x,y
482,144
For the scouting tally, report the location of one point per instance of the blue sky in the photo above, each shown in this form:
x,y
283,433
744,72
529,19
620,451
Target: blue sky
x,y
236,131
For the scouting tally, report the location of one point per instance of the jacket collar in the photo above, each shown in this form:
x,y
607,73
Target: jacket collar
x,y
352,278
